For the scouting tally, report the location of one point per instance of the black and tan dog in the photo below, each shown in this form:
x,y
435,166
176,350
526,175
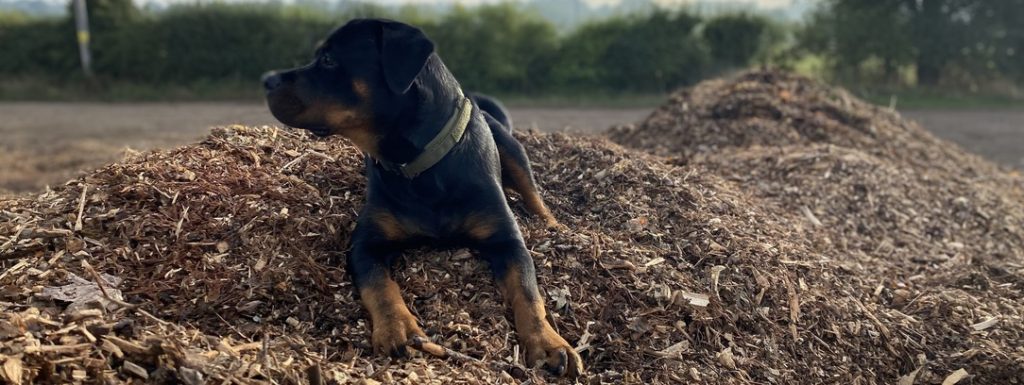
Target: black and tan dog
x,y
437,162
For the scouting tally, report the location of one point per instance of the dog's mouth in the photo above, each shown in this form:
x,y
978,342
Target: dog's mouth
x,y
289,110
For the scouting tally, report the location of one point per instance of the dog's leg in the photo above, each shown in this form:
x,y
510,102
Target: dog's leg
x,y
372,250
513,270
516,173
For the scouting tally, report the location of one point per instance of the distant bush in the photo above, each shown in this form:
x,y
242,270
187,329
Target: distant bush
x,y
44,47
735,40
497,48
218,42
953,44
658,52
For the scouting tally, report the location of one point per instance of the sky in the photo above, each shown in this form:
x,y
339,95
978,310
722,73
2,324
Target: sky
x,y
784,9
769,4
762,3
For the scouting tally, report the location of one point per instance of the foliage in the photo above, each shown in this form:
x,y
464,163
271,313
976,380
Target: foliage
x,y
736,39
668,57
497,48
654,52
37,47
946,42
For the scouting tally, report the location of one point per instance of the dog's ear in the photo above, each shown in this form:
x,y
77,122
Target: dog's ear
x,y
404,51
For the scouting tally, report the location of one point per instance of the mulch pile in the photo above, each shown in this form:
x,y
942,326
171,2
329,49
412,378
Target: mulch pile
x,y
737,258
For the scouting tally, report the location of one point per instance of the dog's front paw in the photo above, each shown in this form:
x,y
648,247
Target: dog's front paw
x,y
393,334
548,349
552,224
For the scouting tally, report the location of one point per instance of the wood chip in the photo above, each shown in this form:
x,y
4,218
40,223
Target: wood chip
x,y
135,370
725,357
111,348
990,322
810,216
128,347
13,370
909,378
693,299
955,377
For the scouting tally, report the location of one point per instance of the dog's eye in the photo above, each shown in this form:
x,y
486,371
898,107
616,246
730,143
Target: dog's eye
x,y
327,62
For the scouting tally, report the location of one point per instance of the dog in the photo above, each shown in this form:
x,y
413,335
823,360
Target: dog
x,y
437,162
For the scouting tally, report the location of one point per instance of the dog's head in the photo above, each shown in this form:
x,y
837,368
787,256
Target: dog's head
x,y
363,69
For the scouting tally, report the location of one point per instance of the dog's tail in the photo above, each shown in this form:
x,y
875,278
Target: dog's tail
x,y
493,107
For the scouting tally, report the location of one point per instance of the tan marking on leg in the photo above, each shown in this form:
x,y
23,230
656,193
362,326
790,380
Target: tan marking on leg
x,y
480,226
541,341
523,184
389,226
392,323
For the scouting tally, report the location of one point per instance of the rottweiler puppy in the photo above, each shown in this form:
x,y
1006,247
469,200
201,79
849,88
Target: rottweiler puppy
x,y
437,161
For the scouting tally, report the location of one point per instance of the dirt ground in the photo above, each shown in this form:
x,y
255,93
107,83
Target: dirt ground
x,y
996,134
47,143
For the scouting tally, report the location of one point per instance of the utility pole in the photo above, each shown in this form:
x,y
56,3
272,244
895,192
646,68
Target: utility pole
x,y
82,32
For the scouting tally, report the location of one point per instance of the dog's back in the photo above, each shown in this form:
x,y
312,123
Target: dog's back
x,y
493,107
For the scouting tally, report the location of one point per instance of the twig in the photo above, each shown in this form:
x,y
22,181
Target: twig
x,y
47,233
15,254
177,228
871,316
99,282
426,346
293,161
381,370
303,156
13,239
81,209
320,155
154,318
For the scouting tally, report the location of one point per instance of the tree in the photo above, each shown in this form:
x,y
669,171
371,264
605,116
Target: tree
x,y
496,48
972,39
579,66
850,32
658,52
939,30
998,37
735,39
107,15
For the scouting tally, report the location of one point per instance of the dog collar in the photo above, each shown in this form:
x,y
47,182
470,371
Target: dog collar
x,y
438,147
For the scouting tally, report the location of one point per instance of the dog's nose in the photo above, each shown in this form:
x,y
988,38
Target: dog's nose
x,y
271,80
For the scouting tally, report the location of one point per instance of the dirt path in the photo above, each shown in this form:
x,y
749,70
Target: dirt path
x,y
47,143
995,134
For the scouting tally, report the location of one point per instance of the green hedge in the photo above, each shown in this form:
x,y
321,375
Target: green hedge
x,y
496,48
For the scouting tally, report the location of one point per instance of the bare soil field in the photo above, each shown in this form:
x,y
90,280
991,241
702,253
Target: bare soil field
x,y
48,143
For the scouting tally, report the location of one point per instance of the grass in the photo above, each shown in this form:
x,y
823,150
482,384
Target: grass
x,y
940,99
907,97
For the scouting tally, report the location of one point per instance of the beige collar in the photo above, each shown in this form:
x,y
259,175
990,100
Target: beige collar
x,y
445,140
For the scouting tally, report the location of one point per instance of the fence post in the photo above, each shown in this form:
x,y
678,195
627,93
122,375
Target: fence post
x,y
82,32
